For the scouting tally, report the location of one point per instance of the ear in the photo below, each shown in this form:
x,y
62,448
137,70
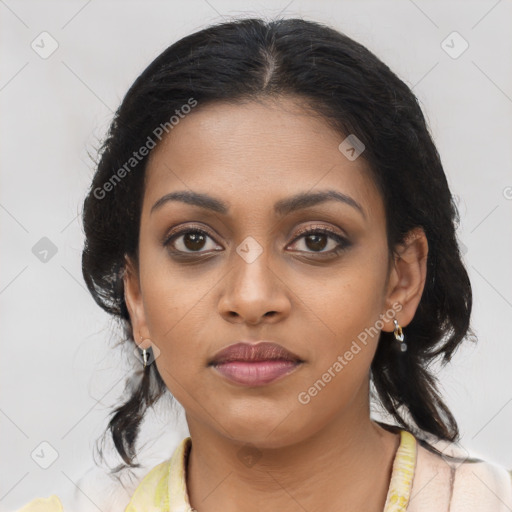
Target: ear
x,y
135,305
407,278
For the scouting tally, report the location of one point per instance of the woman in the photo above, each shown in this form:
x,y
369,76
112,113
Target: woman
x,y
271,221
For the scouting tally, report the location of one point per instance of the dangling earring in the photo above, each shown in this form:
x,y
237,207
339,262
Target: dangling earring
x,y
144,355
399,336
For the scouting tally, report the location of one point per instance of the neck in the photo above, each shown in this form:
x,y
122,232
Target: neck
x,y
345,466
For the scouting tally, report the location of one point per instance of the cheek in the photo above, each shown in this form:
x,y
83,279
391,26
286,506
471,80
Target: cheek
x,y
347,314
350,301
174,308
173,316
172,294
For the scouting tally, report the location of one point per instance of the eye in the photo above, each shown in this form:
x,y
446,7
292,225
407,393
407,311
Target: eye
x,y
317,239
190,240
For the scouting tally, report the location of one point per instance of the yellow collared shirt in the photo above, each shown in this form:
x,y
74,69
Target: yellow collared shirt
x,y
164,488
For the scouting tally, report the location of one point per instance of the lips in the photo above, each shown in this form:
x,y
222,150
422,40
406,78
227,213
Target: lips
x,y
252,365
249,352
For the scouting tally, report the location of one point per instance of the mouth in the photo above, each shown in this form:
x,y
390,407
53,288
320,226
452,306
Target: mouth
x,y
255,364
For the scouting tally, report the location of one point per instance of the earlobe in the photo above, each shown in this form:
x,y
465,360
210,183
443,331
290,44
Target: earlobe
x,y
409,276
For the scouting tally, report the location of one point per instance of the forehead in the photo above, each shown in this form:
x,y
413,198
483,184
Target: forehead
x,y
255,153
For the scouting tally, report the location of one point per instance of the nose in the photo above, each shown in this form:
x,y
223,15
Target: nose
x,y
254,293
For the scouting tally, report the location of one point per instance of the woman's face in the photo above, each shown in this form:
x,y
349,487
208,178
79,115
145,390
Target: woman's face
x,y
253,275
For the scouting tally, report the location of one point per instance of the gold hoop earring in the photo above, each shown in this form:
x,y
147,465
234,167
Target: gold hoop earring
x,y
399,336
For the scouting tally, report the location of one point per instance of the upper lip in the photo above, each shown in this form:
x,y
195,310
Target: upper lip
x,y
259,351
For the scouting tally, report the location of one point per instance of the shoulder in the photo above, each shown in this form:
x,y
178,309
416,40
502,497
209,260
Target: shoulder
x,y
153,489
164,487
459,482
482,482
50,504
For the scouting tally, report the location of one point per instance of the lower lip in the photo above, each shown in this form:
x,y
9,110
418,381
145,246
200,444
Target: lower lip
x,y
257,373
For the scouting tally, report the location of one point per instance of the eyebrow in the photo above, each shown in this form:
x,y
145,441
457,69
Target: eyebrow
x,y
281,207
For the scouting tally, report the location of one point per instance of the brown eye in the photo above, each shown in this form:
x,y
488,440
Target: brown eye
x,y
318,239
190,241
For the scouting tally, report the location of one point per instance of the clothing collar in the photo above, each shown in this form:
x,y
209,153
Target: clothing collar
x,y
165,487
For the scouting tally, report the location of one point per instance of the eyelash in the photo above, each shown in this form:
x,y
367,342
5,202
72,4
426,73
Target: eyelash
x,y
343,243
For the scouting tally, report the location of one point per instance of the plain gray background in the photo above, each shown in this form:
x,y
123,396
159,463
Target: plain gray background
x,y
59,372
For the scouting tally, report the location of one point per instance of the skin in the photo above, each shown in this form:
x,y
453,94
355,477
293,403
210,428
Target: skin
x,y
324,455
